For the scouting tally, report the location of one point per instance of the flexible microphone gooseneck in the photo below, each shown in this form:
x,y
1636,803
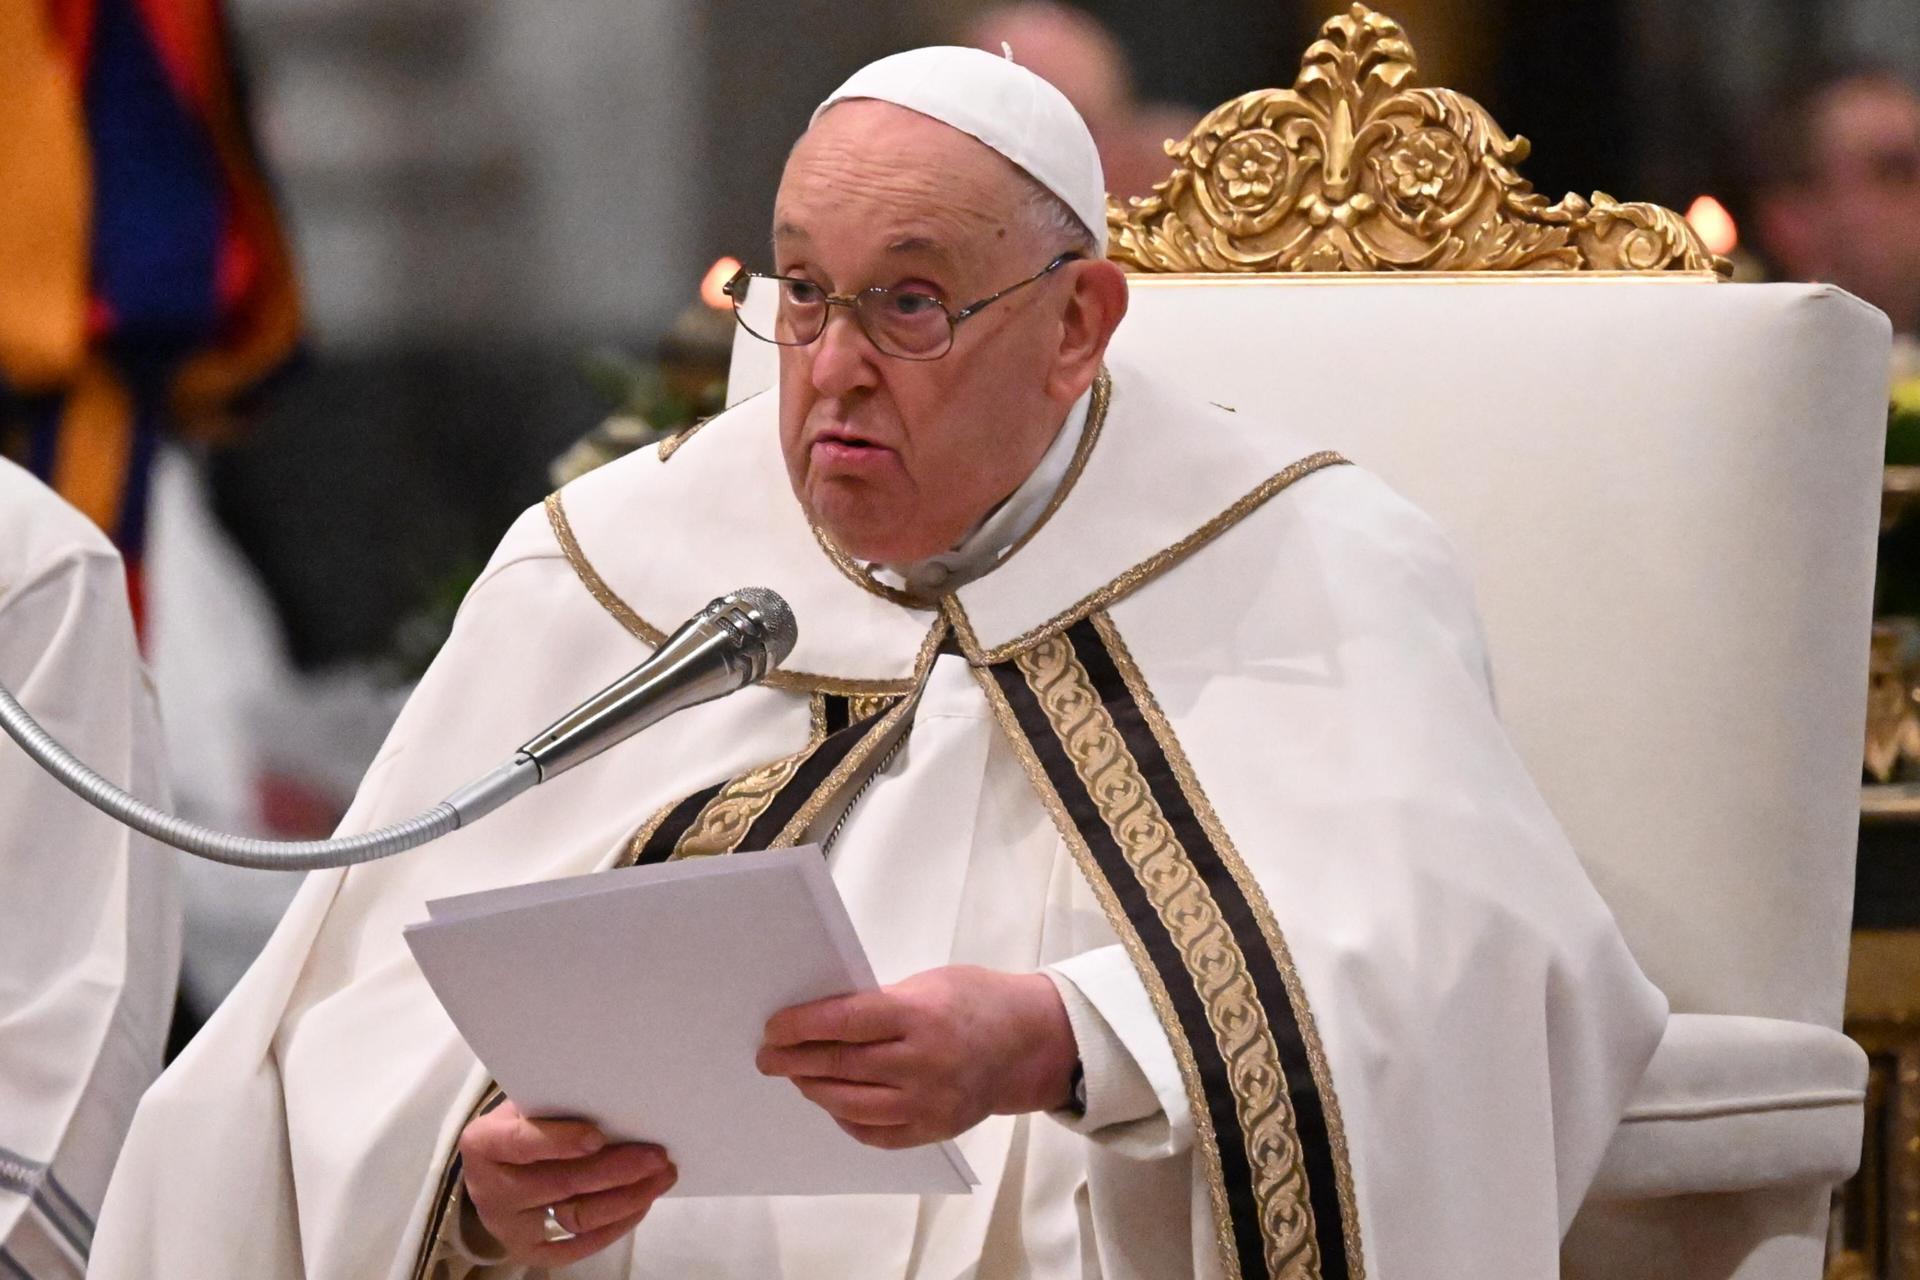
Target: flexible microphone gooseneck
x,y
733,642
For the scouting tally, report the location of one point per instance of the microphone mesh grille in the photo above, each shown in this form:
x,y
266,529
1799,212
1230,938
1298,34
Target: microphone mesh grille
x,y
775,616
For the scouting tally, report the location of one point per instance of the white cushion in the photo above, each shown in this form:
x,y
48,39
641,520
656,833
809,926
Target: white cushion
x,y
1739,1104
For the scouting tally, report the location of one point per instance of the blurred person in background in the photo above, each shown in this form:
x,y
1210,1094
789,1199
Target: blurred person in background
x,y
1838,192
1075,53
89,911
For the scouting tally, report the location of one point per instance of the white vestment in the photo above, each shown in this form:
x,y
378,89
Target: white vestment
x,y
89,911
1293,645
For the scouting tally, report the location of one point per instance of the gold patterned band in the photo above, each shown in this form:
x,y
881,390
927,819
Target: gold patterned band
x,y
1202,936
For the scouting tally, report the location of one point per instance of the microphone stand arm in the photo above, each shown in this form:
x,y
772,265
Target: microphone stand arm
x,y
465,805
720,649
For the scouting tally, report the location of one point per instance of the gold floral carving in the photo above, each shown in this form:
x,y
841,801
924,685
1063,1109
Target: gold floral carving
x,y
1356,168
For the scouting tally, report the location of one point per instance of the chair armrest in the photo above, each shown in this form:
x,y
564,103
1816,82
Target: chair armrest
x,y
1738,1104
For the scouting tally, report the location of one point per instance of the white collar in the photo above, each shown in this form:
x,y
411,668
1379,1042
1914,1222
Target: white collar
x,y
978,552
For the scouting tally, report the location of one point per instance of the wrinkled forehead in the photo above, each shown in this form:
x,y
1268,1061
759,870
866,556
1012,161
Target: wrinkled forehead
x,y
894,174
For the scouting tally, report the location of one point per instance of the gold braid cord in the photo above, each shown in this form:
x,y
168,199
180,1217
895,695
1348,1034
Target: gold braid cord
x,y
1357,169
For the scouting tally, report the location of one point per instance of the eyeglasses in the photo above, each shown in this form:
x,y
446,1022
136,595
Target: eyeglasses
x,y
908,324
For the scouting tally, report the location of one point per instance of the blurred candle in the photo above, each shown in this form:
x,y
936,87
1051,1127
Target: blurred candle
x,y
1710,218
712,287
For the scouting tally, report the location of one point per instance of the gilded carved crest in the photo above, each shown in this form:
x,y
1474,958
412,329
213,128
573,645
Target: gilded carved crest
x,y
1356,168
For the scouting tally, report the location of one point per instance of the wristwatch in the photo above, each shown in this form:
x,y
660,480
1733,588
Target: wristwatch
x,y
1077,1090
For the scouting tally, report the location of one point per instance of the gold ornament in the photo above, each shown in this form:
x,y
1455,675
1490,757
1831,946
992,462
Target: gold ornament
x,y
1357,169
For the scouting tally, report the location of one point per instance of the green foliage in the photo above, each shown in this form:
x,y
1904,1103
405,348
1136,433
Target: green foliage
x,y
1903,425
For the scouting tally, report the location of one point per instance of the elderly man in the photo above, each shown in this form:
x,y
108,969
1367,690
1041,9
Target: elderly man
x,y
1150,747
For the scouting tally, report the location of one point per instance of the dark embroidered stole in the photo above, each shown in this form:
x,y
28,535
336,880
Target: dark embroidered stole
x,y
1194,921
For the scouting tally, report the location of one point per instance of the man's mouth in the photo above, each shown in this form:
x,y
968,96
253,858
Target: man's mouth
x,y
846,440
845,446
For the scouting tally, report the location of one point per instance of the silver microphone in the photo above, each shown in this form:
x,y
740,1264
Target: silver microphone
x,y
734,642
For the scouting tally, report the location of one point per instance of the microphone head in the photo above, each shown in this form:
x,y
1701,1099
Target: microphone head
x,y
765,618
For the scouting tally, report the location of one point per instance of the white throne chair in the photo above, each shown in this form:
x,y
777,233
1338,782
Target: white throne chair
x,y
1665,488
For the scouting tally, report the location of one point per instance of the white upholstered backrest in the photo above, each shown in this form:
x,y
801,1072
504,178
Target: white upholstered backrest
x,y
1665,491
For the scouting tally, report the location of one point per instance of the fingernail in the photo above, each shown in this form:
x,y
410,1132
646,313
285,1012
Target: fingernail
x,y
592,1142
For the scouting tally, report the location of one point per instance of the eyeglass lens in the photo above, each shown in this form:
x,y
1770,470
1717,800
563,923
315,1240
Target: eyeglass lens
x,y
899,322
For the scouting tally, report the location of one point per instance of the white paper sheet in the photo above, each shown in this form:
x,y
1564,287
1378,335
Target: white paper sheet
x,y
636,999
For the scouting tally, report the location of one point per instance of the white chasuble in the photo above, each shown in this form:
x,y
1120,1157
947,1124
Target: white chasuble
x,y
1215,747
89,911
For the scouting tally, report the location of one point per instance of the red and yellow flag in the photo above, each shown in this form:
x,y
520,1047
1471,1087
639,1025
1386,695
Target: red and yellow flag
x,y
145,286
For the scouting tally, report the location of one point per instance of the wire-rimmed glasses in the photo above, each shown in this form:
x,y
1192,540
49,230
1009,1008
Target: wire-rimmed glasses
x,y
908,324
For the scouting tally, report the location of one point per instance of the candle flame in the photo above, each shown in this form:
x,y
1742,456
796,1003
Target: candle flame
x,y
1710,218
714,283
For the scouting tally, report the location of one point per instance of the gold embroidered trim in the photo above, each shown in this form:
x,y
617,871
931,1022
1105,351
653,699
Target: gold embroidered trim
x,y
857,759
671,445
801,681
1203,810
855,572
1096,419
1133,579
1150,979
864,705
637,843
438,1257
862,577
1199,931
729,814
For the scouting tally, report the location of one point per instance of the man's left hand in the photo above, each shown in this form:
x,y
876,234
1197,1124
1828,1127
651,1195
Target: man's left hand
x,y
930,1057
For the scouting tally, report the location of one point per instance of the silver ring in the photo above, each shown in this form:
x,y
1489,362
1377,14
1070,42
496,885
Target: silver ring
x,y
555,1233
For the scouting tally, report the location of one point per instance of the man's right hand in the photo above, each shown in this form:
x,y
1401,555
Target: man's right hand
x,y
514,1167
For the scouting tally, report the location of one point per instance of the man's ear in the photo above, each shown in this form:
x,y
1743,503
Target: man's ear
x,y
1094,310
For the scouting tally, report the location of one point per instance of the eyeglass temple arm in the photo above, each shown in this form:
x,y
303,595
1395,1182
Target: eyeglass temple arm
x,y
972,308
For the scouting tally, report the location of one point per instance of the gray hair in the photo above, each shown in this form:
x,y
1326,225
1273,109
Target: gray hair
x,y
1049,217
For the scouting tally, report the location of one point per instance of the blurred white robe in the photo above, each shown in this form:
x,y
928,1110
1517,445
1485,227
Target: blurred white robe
x,y
89,911
1313,647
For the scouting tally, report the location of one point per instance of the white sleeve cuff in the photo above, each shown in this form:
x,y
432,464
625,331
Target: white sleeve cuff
x,y
1136,1100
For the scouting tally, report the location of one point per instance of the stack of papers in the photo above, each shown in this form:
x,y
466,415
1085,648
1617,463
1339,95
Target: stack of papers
x,y
637,998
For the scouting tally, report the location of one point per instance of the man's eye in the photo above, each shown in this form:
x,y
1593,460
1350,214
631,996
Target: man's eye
x,y
913,304
803,293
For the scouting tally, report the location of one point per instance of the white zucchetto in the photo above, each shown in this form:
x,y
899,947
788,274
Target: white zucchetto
x,y
1004,105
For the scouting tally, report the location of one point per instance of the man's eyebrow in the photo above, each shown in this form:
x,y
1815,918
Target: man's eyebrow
x,y
790,231
921,244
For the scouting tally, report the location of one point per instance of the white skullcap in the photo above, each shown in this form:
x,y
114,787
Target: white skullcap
x,y
1002,104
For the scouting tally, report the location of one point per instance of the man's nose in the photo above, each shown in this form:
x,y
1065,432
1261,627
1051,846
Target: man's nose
x,y
843,355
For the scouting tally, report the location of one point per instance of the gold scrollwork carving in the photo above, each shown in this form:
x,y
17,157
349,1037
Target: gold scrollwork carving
x,y
1356,168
